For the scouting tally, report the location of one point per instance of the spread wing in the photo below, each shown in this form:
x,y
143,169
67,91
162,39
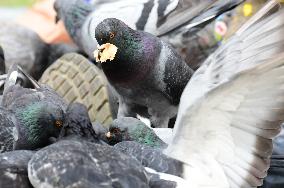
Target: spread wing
x,y
257,42
195,13
228,132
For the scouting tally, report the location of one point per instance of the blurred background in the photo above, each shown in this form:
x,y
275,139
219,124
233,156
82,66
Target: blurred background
x,y
13,8
38,15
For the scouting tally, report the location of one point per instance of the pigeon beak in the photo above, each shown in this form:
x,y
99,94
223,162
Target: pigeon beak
x,y
108,135
105,52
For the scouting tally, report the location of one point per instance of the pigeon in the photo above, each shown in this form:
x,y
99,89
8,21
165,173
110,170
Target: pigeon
x,y
145,71
14,169
31,125
82,17
132,129
78,126
71,163
30,118
232,108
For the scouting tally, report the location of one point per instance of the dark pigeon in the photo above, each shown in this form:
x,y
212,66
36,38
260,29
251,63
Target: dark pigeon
x,y
30,117
78,126
84,164
146,71
29,125
132,129
14,169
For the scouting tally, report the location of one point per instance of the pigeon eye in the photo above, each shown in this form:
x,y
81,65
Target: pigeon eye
x,y
111,35
58,123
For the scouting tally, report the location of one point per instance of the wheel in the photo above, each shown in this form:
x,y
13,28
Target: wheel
x,y
78,80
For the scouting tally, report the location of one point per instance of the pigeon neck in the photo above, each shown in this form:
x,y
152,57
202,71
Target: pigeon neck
x,y
29,128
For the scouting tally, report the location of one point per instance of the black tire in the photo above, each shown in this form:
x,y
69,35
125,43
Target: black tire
x,y
78,80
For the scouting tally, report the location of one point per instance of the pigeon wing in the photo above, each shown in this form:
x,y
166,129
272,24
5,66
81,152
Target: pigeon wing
x,y
228,132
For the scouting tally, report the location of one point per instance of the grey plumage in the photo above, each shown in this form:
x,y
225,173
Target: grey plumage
x,y
31,117
14,169
195,13
84,164
151,157
77,124
232,107
7,128
145,71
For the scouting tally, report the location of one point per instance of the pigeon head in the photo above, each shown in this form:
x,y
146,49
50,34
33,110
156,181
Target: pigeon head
x,y
38,122
112,30
136,51
77,123
73,13
132,129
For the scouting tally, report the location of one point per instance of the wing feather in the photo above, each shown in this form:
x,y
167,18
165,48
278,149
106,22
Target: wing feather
x,y
258,43
223,127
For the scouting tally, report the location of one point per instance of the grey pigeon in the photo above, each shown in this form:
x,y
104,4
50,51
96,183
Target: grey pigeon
x,y
132,129
14,169
77,125
146,71
82,17
84,164
29,118
30,126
